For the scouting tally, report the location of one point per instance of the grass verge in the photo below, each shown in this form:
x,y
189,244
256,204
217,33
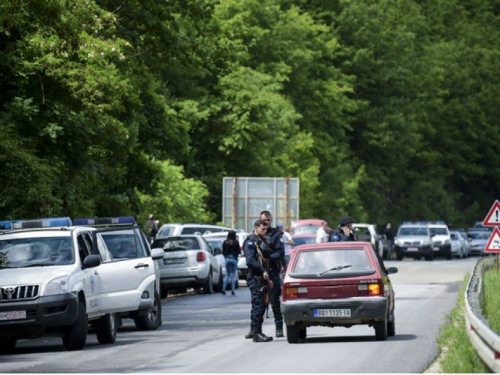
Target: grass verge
x,y
457,353
491,298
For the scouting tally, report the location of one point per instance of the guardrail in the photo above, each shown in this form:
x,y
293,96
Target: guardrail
x,y
485,341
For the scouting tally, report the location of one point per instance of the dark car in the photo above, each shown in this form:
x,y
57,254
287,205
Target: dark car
x,y
337,284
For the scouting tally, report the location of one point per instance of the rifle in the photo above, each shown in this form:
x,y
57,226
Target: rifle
x,y
268,286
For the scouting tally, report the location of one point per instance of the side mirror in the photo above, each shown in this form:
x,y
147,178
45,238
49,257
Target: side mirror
x,y
392,270
91,261
157,253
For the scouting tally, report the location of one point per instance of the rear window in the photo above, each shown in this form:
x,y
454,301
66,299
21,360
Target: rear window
x,y
176,244
306,229
303,240
332,261
166,231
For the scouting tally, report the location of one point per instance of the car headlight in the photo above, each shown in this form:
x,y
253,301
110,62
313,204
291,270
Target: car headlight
x,y
426,242
447,242
398,242
57,286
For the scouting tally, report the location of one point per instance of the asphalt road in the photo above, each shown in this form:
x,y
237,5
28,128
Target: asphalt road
x,y
205,334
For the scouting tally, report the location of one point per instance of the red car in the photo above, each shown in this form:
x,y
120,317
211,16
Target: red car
x,y
306,226
337,284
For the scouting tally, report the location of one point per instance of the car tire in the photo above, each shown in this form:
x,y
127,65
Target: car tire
x,y
237,285
106,329
76,335
381,330
391,325
430,256
152,320
220,283
7,345
208,288
303,333
292,334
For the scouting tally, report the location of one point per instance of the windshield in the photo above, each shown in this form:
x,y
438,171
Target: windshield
x,y
320,261
305,229
176,243
33,252
438,231
478,235
413,231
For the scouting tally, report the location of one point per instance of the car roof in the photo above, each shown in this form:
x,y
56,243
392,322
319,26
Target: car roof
x,y
306,222
334,245
303,235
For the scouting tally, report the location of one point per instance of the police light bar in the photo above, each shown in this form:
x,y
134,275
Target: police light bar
x,y
42,223
5,224
105,220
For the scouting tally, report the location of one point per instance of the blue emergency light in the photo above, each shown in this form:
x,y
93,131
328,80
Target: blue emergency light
x,y
105,220
5,224
41,223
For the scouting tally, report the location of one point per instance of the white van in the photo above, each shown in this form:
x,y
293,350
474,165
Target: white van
x,y
177,229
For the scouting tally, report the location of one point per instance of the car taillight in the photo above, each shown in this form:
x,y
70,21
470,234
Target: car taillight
x,y
293,292
201,256
369,289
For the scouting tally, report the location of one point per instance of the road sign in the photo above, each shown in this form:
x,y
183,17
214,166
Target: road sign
x,y
493,217
493,245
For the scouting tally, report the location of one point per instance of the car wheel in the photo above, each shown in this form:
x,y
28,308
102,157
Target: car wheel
x,y
303,333
106,328
381,330
152,320
220,283
237,284
391,326
164,292
207,286
7,345
430,256
76,335
292,334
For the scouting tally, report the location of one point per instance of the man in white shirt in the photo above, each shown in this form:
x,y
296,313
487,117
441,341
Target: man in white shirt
x,y
288,243
321,235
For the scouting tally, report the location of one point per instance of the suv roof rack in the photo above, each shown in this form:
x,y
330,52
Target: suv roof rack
x,y
101,221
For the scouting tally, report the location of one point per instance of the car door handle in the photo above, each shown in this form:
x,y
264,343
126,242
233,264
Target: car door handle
x,y
142,265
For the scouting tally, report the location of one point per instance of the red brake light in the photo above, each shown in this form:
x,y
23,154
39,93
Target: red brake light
x,y
201,256
373,289
291,293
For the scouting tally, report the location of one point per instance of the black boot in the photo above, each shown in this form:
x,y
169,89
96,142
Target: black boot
x,y
260,337
279,332
249,335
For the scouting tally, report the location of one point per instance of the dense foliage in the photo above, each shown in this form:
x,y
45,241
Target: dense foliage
x,y
385,110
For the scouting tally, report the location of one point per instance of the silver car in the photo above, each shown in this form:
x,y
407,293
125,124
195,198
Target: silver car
x,y
242,261
478,239
189,262
413,241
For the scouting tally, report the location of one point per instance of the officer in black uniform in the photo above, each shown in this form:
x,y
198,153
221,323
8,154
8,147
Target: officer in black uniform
x,y
257,280
273,247
344,231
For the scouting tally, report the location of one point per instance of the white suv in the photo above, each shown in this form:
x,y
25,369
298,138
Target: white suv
x,y
441,239
177,229
60,278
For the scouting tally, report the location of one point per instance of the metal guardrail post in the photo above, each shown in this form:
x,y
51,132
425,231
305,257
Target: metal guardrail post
x,y
485,341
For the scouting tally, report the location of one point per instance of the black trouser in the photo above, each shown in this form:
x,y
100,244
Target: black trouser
x,y
275,299
258,309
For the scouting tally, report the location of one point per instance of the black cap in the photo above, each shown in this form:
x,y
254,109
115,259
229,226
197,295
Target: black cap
x,y
346,220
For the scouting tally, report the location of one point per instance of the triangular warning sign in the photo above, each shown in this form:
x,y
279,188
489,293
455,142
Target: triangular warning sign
x,y
493,245
493,217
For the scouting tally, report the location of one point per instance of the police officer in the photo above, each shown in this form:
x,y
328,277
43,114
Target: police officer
x,y
257,280
273,247
344,231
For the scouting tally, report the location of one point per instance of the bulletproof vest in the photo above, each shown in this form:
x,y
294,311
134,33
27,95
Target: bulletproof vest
x,y
267,243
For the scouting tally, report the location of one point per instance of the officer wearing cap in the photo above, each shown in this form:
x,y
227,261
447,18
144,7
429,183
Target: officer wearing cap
x,y
344,231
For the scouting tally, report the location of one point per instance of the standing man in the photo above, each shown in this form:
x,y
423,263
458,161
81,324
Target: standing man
x,y
390,240
288,243
273,247
344,231
257,279
321,235
153,228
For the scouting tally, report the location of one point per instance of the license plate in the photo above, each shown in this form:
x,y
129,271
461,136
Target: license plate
x,y
412,249
435,248
174,261
12,315
332,313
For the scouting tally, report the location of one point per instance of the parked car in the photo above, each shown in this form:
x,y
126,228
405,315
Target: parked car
x,y
458,249
126,240
177,229
413,241
242,261
337,284
463,236
57,278
189,262
307,226
369,233
478,239
441,241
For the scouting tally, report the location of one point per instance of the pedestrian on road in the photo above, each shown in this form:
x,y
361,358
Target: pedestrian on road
x,y
288,243
231,251
257,280
390,240
153,228
344,231
273,247
321,235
